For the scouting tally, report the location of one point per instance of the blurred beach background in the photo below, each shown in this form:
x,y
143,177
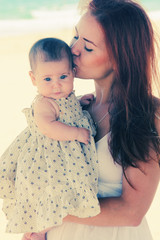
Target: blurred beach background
x,y
22,22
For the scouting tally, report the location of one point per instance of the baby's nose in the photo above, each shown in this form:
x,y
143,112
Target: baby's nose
x,y
56,84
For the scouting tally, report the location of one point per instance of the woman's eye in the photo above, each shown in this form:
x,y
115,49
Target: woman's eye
x,y
75,37
63,76
88,49
47,79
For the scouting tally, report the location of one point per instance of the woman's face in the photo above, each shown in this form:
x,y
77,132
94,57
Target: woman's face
x,y
89,50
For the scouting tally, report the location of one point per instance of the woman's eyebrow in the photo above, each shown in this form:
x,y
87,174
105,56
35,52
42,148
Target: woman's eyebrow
x,y
89,41
85,39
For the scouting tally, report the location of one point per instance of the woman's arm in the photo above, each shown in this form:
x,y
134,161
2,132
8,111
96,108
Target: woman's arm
x,y
46,114
130,208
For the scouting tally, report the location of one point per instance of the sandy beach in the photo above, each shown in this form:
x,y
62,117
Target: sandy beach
x,y
17,93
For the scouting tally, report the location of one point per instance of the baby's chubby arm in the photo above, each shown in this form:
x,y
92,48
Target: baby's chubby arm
x,y
46,113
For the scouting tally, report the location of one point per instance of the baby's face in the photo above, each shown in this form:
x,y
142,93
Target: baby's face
x,y
53,79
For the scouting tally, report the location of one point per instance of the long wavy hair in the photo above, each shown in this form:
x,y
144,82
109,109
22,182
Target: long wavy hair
x,y
130,42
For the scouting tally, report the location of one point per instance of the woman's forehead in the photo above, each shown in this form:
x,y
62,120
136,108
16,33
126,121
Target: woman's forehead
x,y
89,28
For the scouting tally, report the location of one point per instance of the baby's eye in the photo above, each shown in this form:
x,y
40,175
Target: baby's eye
x,y
63,76
47,79
88,49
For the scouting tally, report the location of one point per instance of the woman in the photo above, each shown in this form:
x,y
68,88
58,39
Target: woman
x,y
114,45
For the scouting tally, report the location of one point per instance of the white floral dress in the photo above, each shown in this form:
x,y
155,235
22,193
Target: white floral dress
x,y
42,180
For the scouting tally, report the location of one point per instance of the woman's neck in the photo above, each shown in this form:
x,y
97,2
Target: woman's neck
x,y
100,106
103,90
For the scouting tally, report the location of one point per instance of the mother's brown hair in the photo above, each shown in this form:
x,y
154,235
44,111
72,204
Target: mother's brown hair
x,y
130,42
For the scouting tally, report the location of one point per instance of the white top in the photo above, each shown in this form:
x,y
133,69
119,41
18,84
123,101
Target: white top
x,y
110,173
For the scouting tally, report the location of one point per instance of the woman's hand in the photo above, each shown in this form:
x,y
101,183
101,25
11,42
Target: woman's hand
x,y
34,236
86,99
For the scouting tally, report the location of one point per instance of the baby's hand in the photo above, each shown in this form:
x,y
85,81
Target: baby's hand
x,y
83,135
86,99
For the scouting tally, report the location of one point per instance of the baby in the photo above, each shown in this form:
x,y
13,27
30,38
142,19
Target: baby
x,y
50,170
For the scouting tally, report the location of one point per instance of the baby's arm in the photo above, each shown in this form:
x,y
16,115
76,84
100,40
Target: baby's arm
x,y
46,114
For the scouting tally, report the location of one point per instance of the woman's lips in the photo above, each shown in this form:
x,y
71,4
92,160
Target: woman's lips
x,y
74,65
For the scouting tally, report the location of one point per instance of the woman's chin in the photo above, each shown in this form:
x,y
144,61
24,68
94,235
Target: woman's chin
x,y
80,75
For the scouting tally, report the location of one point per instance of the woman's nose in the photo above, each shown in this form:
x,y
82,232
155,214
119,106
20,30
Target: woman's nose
x,y
75,47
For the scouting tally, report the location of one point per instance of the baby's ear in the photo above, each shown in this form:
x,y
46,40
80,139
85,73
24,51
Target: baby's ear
x,y
31,74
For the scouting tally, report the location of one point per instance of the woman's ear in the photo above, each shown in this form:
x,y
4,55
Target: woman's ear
x,y
31,74
74,71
